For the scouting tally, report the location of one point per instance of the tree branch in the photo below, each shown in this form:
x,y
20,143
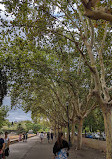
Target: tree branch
x,y
93,14
92,32
106,94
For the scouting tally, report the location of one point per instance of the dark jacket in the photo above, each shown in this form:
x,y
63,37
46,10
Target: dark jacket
x,y
1,143
56,148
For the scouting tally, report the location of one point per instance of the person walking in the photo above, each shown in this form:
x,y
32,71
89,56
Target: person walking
x,y
61,148
26,136
7,143
23,137
2,147
48,136
41,137
52,135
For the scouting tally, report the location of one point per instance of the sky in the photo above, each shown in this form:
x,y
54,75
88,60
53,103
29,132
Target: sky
x,y
16,115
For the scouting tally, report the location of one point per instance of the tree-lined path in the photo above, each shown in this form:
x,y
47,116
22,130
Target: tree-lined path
x,y
33,149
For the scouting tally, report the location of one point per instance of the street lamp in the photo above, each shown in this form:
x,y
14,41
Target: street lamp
x,y
68,124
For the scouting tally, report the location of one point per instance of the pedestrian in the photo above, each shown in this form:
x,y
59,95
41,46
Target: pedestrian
x,y
20,137
41,137
52,135
23,137
48,136
2,147
61,148
26,136
7,143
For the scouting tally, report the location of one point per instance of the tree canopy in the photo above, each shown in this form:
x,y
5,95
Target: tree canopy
x,y
58,51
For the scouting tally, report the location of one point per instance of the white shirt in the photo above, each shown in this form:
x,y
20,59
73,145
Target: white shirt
x,y
41,135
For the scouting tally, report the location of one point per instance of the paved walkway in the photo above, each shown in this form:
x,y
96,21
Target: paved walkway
x,y
33,149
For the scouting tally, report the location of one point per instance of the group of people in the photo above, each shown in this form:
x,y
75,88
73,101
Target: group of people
x,y
4,146
60,148
49,136
23,137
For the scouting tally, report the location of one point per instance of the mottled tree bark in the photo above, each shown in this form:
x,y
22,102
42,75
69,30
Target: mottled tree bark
x,y
107,113
79,136
73,133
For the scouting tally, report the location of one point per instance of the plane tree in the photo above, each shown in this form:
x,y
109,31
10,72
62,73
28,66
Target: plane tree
x,y
43,20
30,71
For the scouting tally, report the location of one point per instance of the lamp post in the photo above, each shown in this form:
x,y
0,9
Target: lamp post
x,y
68,124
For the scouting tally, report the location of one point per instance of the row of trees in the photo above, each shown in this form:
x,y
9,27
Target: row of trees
x,y
25,126
53,54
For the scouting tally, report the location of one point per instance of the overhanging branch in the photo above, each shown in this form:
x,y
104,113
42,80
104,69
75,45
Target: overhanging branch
x,y
95,15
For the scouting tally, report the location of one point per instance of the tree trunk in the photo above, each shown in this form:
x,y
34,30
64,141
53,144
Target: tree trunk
x,y
67,134
54,132
79,136
73,133
63,132
107,113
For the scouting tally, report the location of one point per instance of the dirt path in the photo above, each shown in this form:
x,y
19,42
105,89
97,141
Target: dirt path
x,y
86,153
